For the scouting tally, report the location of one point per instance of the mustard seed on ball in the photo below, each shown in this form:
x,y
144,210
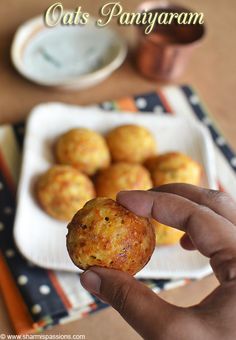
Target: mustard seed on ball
x,y
62,190
84,149
122,176
104,233
131,143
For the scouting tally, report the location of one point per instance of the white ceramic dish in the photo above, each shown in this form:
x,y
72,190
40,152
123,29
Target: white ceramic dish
x,y
73,57
41,239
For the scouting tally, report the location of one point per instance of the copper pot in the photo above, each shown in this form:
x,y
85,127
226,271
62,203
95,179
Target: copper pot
x,y
163,53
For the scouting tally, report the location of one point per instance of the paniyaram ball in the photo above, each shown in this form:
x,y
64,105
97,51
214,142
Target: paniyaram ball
x,y
173,167
84,149
122,176
104,233
131,143
166,235
62,190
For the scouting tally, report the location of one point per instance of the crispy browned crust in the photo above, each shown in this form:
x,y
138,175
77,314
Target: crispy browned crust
x,y
103,233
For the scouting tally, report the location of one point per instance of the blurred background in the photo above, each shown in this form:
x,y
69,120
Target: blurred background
x,y
210,69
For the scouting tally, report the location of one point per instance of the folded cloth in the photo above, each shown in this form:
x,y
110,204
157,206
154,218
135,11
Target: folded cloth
x,y
37,298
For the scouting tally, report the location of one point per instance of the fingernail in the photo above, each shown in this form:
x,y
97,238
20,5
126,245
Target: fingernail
x,y
121,193
91,281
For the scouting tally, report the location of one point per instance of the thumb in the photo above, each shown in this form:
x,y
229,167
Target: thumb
x,y
148,314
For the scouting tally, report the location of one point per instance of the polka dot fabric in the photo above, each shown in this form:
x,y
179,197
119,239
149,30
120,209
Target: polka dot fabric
x,y
51,296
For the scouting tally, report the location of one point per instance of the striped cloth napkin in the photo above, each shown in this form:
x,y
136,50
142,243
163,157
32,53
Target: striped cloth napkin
x,y
37,298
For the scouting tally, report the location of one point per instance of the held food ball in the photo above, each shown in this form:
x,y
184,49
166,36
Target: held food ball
x,y
103,233
62,190
166,235
83,149
122,176
131,143
173,167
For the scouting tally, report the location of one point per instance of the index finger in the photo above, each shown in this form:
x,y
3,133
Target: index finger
x,y
218,201
213,235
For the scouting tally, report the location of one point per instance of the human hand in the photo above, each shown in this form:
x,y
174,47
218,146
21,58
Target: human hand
x,y
208,217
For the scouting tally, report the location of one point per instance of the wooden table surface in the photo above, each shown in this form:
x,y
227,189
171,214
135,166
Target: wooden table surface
x,y
211,71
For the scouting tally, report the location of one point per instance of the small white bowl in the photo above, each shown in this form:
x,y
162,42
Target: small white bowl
x,y
73,57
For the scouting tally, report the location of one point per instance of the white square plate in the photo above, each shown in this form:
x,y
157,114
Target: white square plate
x,y
42,240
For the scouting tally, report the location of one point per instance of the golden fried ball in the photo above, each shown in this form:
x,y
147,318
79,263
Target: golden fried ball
x,y
122,176
83,149
104,233
131,143
166,235
173,167
62,190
